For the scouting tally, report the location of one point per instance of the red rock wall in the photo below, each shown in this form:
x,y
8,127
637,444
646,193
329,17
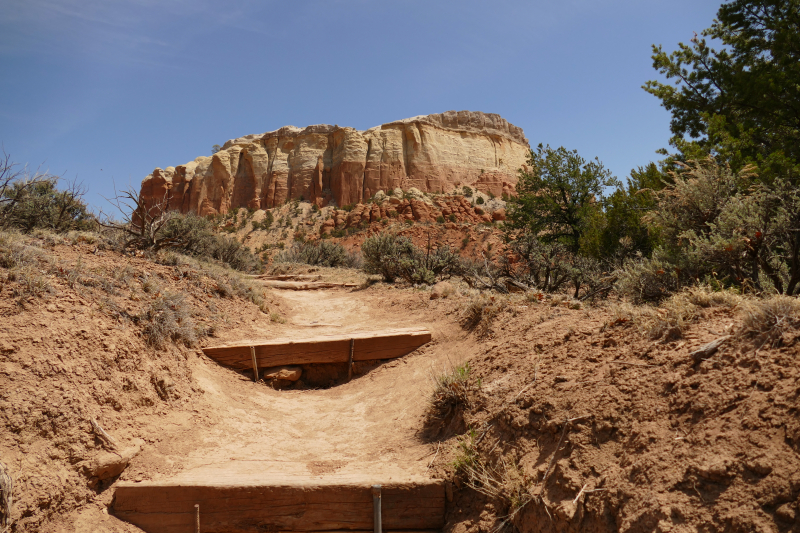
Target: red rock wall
x,y
343,166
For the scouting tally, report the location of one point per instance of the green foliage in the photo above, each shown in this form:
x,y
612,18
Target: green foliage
x,y
739,101
195,236
467,191
29,201
265,224
452,217
625,231
321,253
393,257
440,219
723,226
215,148
559,197
479,200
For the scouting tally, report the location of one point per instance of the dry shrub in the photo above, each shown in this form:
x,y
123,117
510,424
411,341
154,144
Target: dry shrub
x,y
6,498
228,283
767,320
168,318
670,320
466,453
480,312
504,482
14,252
673,317
30,282
705,296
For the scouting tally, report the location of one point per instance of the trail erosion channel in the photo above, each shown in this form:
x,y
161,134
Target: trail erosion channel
x,y
336,458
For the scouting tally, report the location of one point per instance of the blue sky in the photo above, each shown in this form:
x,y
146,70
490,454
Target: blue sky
x,y
110,89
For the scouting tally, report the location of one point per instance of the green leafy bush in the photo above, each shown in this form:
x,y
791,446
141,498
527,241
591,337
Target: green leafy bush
x,y
30,201
321,253
195,236
393,257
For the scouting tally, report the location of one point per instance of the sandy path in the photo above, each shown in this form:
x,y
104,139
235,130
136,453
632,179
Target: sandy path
x,y
365,429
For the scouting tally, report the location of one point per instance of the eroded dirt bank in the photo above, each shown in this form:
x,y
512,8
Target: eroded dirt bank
x,y
632,434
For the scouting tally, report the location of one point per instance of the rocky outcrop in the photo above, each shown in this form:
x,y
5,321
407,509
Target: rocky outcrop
x,y
333,165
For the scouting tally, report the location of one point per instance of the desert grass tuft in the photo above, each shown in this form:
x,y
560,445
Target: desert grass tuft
x,y
466,455
768,320
480,312
451,390
504,482
168,318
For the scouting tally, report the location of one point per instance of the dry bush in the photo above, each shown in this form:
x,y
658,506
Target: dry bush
x,y
168,318
321,253
705,296
647,279
480,312
6,498
767,320
671,319
228,283
503,482
30,282
14,252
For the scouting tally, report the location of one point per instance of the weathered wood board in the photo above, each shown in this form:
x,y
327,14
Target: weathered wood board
x,y
164,508
304,285
322,349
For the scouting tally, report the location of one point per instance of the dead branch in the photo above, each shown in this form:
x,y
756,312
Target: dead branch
x,y
6,498
143,223
107,439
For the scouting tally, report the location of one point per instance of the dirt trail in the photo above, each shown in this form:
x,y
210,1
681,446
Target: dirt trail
x,y
365,429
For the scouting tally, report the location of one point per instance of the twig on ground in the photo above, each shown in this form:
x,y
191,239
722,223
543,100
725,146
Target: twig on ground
x,y
6,498
578,418
535,374
580,493
104,436
434,456
631,363
555,453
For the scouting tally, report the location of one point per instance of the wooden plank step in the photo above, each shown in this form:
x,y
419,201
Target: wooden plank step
x,y
170,508
304,285
386,344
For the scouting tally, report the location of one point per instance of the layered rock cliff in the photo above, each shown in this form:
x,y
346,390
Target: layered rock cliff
x,y
327,164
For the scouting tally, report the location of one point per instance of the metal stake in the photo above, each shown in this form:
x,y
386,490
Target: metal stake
x,y
350,361
255,363
197,515
376,507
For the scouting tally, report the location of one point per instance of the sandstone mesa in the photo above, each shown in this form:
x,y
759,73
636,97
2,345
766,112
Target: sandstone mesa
x,y
332,165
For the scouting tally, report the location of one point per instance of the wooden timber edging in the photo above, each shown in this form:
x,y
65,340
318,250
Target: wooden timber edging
x,y
163,508
304,285
322,349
